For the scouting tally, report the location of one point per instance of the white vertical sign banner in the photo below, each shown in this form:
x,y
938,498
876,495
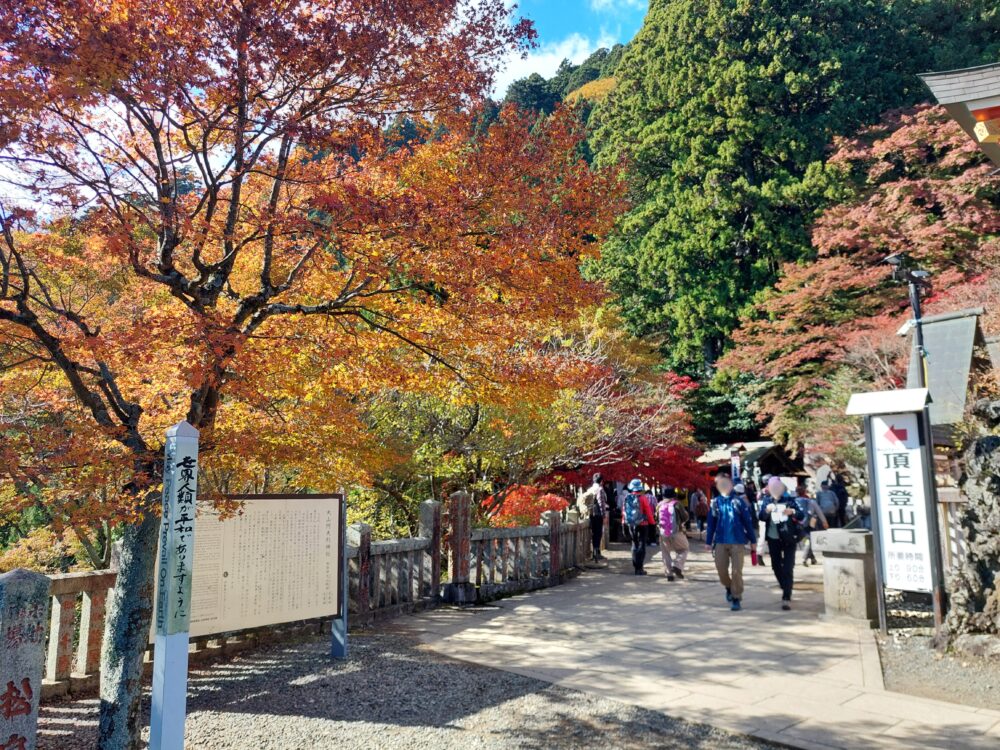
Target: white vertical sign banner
x,y
173,594
899,484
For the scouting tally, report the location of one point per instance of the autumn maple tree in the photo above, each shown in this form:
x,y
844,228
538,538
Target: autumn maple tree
x,y
915,183
208,222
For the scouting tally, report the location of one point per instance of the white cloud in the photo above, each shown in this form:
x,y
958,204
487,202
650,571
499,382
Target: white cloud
x,y
616,6
545,59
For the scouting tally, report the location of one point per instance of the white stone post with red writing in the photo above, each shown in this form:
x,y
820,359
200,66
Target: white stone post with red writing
x,y
173,600
24,599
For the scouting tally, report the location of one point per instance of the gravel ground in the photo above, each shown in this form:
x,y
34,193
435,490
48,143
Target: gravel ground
x,y
392,693
910,664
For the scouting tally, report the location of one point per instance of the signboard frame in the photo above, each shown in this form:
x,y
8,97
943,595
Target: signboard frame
x,y
906,401
338,585
341,513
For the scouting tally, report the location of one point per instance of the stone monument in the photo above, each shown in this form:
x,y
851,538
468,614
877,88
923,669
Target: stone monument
x,y
849,588
24,607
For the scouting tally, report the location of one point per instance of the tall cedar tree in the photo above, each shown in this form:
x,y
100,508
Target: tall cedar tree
x,y
721,107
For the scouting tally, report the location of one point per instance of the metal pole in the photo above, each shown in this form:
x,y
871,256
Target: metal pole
x,y
927,441
883,624
338,628
918,333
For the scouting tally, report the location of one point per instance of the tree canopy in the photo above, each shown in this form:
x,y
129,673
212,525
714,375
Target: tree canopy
x,y
720,110
914,183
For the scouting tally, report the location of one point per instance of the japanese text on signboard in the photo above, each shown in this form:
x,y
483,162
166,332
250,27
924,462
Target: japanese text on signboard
x,y
900,487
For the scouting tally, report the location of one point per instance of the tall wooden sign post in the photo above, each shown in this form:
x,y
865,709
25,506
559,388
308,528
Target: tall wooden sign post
x,y
903,494
173,601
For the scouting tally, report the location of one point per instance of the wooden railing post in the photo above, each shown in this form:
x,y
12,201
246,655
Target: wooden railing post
x,y
460,590
430,529
553,519
360,535
573,519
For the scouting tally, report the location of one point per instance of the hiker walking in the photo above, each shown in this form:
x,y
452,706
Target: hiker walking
x,y
637,516
829,503
595,502
700,503
672,517
784,523
730,529
816,520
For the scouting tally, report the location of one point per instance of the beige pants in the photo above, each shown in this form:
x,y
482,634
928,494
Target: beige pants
x,y
727,555
678,545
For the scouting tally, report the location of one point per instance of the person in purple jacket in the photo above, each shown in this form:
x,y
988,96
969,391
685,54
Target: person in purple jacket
x,y
730,529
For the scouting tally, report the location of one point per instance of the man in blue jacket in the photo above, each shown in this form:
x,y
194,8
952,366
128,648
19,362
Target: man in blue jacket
x,y
730,529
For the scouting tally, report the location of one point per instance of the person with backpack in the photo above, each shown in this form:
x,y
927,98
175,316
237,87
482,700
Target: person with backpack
x,y
637,516
672,517
730,529
700,503
829,503
595,502
815,520
784,521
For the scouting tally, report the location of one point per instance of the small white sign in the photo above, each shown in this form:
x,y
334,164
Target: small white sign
x,y
900,499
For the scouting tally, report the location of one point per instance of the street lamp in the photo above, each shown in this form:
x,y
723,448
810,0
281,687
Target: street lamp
x,y
917,279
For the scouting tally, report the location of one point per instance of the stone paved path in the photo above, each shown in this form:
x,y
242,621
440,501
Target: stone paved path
x,y
675,647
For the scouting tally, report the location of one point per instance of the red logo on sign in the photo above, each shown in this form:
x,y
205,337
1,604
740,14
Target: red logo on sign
x,y
896,435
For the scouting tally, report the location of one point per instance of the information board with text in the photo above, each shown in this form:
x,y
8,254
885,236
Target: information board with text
x,y
900,489
278,561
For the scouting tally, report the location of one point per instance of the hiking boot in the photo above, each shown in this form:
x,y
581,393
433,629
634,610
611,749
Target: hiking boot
x,y
729,595
678,572
671,577
735,606
641,572
786,605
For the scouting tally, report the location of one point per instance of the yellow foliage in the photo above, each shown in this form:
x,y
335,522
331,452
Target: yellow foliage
x,y
594,91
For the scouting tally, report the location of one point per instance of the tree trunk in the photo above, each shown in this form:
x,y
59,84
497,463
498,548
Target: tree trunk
x,y
126,636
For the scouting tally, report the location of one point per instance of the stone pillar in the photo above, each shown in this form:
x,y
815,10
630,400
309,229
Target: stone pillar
x,y
24,598
460,590
359,535
553,519
62,625
88,650
849,588
430,529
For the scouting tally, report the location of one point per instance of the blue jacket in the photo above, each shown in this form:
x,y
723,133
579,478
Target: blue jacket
x,y
730,522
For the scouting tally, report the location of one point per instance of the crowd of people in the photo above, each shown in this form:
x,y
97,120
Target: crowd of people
x,y
736,522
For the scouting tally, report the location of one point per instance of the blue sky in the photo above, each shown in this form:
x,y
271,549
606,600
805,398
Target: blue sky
x,y
571,29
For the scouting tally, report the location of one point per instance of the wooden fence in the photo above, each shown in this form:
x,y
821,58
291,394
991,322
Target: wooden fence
x,y
385,579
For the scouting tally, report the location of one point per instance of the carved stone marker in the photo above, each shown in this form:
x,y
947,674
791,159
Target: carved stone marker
x,y
849,588
24,600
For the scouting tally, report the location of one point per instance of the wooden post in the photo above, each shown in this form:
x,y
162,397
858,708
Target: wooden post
x,y
553,519
360,535
430,529
460,590
168,707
